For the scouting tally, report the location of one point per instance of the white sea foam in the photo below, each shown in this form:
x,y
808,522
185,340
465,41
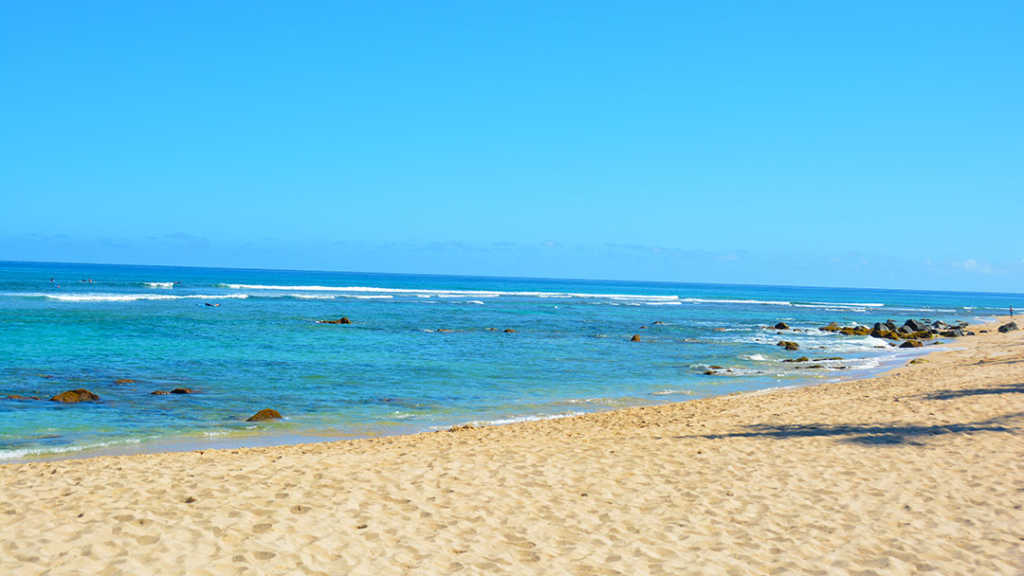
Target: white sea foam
x,y
756,357
474,301
831,306
671,392
476,294
17,453
532,418
99,297
729,301
162,285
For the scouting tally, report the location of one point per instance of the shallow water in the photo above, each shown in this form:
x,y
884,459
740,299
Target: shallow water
x,y
423,352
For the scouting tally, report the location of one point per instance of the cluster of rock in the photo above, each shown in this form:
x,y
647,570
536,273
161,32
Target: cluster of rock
x,y
922,329
911,332
82,395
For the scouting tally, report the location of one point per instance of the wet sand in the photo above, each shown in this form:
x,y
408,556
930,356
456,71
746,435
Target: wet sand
x,y
918,471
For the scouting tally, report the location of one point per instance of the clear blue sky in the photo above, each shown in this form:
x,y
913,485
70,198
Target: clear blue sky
x,y
864,144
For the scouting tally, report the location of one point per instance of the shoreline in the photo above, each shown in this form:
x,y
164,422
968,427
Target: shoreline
x,y
917,470
269,438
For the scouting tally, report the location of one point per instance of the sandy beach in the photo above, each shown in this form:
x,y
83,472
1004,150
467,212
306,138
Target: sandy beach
x,y
918,471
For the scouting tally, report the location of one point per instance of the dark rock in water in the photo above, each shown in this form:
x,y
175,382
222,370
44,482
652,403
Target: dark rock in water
x,y
124,381
788,345
1008,327
782,326
657,323
913,325
509,331
643,327
75,396
342,320
635,338
489,329
879,329
828,358
159,393
182,391
709,373
443,330
800,359
911,344
715,367
832,327
265,414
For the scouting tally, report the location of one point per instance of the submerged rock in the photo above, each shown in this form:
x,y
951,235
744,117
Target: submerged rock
x,y
800,359
1008,327
509,331
159,393
342,320
832,327
657,323
124,381
20,397
182,391
75,396
635,338
911,344
788,345
782,326
265,414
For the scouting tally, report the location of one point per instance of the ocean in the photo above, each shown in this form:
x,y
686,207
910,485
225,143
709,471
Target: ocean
x,y
422,352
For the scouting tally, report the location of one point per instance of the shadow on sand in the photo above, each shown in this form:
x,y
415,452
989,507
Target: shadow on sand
x,y
951,394
870,434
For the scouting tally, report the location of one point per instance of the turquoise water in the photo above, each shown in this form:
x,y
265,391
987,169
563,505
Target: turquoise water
x,y
68,326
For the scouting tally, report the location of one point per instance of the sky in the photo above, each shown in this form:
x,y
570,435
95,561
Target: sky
x,y
869,144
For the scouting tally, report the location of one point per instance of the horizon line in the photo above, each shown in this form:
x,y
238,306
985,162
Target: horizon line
x,y
497,277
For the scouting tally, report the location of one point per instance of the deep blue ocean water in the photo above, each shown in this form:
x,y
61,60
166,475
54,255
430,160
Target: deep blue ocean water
x,y
422,353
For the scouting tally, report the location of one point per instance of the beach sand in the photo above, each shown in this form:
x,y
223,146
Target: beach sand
x,y
919,471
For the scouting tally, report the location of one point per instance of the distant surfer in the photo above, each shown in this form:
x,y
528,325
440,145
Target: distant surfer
x,y
212,305
1011,310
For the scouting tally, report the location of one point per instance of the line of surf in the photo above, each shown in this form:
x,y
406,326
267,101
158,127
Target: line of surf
x,y
100,297
447,293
